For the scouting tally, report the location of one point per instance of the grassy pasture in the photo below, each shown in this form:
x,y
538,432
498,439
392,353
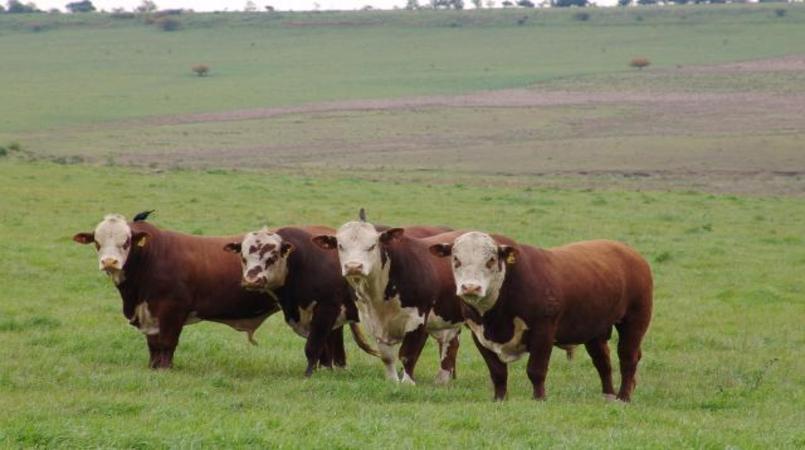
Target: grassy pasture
x,y
82,69
722,367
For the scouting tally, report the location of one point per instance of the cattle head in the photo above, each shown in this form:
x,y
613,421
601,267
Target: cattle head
x,y
264,259
114,240
479,266
361,249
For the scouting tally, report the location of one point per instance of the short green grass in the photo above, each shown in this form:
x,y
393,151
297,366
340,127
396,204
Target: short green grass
x,y
723,361
92,68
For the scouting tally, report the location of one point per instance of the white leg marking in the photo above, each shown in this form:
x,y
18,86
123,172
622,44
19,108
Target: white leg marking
x,y
407,380
443,377
388,354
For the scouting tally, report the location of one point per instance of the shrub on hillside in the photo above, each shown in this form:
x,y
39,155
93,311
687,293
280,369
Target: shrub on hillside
x,y
581,16
167,24
639,62
201,70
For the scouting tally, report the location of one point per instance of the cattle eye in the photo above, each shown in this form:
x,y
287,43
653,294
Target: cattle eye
x,y
456,263
340,247
371,248
490,263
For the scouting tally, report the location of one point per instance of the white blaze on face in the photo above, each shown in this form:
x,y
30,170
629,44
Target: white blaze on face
x,y
113,241
264,258
477,269
358,249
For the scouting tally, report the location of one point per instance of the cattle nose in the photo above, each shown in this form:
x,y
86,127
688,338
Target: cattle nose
x,y
353,268
109,263
470,289
253,282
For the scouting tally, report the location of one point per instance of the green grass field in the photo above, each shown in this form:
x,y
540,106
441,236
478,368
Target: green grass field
x,y
82,70
101,111
722,366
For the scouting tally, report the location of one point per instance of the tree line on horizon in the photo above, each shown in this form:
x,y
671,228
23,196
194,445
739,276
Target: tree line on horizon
x,y
148,6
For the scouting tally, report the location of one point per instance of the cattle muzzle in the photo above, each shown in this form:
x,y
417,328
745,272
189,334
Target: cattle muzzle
x,y
471,290
110,265
353,269
253,284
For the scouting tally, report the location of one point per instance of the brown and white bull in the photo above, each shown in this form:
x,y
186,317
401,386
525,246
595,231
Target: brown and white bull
x,y
307,283
168,280
403,292
520,299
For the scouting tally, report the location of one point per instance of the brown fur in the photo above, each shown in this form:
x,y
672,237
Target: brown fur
x,y
179,274
314,274
569,295
425,282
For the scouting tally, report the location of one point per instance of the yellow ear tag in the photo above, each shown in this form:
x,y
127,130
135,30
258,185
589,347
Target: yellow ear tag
x,y
143,240
511,258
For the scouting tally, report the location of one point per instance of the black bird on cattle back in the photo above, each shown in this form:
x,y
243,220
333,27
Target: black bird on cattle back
x,y
140,217
362,215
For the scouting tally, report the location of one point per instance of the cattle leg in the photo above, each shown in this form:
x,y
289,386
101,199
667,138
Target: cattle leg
x,y
448,351
411,348
388,355
498,371
629,337
599,352
336,344
541,345
162,344
320,328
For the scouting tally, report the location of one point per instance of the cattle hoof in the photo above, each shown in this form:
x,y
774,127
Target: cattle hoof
x,y
610,397
443,377
407,380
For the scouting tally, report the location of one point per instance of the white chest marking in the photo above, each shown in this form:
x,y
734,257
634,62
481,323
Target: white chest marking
x,y
508,351
388,320
302,328
148,324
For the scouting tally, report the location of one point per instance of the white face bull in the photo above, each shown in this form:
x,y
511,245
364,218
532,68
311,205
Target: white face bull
x,y
264,259
359,247
113,239
479,267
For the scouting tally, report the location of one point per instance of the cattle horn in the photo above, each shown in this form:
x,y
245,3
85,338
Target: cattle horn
x,y
140,217
362,215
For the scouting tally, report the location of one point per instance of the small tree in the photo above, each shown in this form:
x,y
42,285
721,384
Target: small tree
x,y
567,3
639,62
478,4
525,3
147,6
412,5
168,24
269,8
250,6
201,70
507,4
82,6
16,7
624,2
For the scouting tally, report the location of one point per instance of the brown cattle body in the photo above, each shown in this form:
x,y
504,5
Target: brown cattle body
x,y
175,279
566,295
315,299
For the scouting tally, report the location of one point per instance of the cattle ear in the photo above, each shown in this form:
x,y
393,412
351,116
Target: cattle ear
x,y
140,238
507,253
84,238
233,247
325,241
286,248
391,234
441,250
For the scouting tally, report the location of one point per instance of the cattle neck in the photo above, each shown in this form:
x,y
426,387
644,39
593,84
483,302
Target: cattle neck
x,y
138,265
372,288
